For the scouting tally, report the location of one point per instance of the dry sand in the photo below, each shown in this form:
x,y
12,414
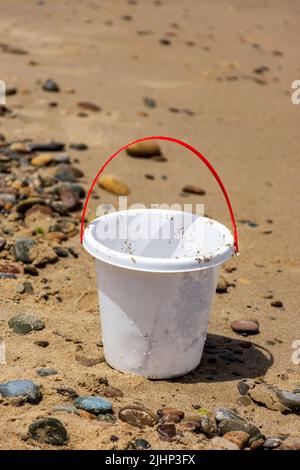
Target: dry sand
x,y
243,122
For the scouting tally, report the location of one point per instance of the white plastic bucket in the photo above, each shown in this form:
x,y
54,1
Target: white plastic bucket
x,y
156,293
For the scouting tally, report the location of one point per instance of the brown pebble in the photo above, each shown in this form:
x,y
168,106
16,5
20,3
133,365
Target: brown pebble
x,y
257,444
192,189
86,415
113,185
137,416
240,438
146,149
277,303
87,106
42,159
42,343
113,392
166,431
245,326
222,285
170,411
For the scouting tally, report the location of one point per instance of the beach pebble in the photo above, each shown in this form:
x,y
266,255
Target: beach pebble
x,y
208,425
289,399
2,244
256,443
163,412
223,414
50,85
31,270
20,147
69,198
24,250
48,431
2,137
93,404
219,443
24,323
277,303
42,343
146,149
272,443
238,425
243,388
26,204
9,269
79,146
26,389
67,173
222,285
166,431
43,159
113,392
61,252
107,418
46,371
149,102
138,416
193,189
87,106
47,147
65,408
245,327
240,438
140,444
113,184
67,391
264,395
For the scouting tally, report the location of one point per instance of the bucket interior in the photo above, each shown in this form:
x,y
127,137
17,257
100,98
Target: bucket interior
x,y
160,235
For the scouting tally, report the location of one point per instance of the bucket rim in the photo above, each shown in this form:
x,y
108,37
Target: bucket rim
x,y
154,264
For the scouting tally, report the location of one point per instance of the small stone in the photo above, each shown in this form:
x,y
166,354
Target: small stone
x,y
243,388
165,42
244,401
65,408
138,416
114,185
223,414
263,395
113,392
9,269
48,431
86,414
67,392
26,389
63,158
149,102
238,425
39,218
245,327
208,424
272,443
192,426
67,173
23,324
73,252
239,438
61,252
149,177
42,343
146,149
20,147
89,362
140,444
192,189
47,147
51,86
2,137
26,204
80,146
87,106
2,244
95,405
222,285
277,303
256,444
170,411
107,418
166,431
43,159
69,198
289,399
261,70
219,443
29,269
46,371
28,288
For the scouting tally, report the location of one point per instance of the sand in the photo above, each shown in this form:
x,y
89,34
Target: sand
x,y
244,123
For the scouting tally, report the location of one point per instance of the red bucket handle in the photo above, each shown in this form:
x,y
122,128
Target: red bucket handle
x,y
183,144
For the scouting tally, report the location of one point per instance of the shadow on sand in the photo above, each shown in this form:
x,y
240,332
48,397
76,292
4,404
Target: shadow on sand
x,y
226,359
